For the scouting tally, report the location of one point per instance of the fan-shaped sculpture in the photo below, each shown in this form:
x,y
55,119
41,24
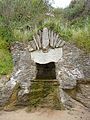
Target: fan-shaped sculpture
x,y
46,47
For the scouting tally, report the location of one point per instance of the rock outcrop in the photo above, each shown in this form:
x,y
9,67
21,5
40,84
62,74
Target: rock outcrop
x,y
72,68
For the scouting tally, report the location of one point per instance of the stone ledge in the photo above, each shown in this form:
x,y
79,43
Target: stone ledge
x,y
83,81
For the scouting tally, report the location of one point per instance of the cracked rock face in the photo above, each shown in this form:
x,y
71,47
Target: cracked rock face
x,y
83,94
72,68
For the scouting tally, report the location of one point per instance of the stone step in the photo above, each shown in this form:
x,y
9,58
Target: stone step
x,y
44,89
83,81
45,81
37,90
44,93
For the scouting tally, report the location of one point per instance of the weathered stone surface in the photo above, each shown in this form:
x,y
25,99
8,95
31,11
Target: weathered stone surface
x,y
51,39
83,94
53,55
70,69
45,39
23,72
68,77
39,41
80,94
4,94
67,100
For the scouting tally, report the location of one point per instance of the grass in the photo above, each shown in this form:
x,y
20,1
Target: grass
x,y
6,63
22,35
81,37
76,31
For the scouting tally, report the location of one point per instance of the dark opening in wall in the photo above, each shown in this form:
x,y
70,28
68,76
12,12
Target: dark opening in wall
x,y
46,71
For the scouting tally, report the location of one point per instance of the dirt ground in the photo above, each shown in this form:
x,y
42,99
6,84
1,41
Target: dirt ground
x,y
79,113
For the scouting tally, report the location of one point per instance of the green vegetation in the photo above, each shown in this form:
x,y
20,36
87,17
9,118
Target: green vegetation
x,y
77,32
15,16
75,9
6,64
20,19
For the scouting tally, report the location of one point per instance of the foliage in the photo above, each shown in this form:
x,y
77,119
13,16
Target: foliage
x,y
82,38
21,19
19,13
75,9
6,63
15,12
7,34
58,13
77,33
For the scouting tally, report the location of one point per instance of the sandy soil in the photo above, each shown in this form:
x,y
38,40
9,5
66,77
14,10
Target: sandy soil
x,y
79,113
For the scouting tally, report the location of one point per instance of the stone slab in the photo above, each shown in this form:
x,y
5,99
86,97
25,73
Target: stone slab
x,y
45,39
51,39
53,55
39,41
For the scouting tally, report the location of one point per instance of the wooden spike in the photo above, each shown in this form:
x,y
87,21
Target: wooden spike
x,y
32,43
62,44
30,48
58,43
49,34
56,40
40,35
39,41
36,42
51,39
54,36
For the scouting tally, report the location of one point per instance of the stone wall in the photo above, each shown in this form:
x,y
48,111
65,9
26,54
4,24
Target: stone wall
x,y
73,67
72,72
24,71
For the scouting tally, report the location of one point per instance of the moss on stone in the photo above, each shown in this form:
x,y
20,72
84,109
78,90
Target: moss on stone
x,y
11,104
44,94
